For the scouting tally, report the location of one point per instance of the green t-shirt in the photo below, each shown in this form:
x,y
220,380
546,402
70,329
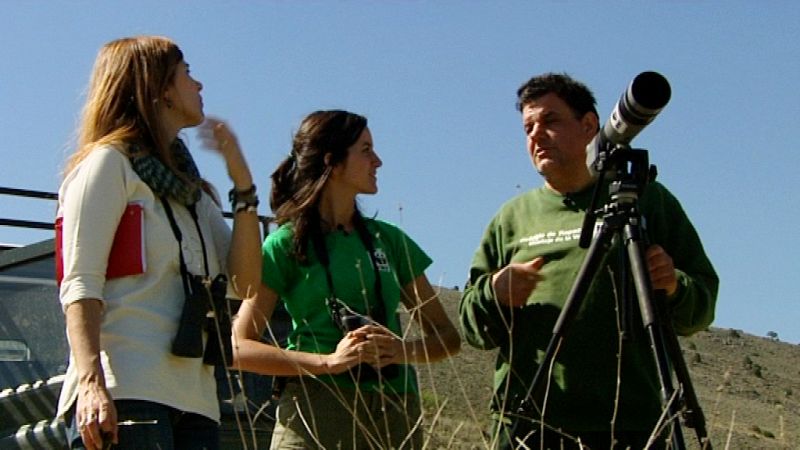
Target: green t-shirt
x,y
304,288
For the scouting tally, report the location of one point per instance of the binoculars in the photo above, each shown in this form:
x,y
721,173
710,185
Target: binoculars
x,y
348,320
205,309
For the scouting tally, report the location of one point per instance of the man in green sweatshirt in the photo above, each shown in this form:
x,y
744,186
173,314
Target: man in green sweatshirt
x,y
603,389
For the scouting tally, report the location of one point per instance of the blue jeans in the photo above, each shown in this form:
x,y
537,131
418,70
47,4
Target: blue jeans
x,y
172,430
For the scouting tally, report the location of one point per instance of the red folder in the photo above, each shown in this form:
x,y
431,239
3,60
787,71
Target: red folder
x,y
127,255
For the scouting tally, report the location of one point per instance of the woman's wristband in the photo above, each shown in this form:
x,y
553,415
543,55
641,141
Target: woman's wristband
x,y
246,200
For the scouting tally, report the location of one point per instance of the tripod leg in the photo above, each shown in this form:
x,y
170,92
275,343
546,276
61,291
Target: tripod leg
x,y
693,414
526,406
641,278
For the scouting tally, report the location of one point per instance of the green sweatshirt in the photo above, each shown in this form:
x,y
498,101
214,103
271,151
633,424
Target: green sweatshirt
x,y
582,392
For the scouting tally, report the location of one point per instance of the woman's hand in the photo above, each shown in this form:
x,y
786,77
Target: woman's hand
x,y
216,135
371,344
387,348
95,415
349,352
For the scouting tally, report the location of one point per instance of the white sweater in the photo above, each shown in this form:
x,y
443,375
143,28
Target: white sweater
x,y
141,312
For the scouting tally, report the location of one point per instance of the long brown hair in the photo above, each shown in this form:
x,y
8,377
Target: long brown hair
x,y
299,179
129,78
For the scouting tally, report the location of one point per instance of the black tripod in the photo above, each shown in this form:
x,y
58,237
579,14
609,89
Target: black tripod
x,y
622,220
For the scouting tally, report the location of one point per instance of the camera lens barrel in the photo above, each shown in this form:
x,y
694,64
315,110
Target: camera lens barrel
x,y
645,97
641,102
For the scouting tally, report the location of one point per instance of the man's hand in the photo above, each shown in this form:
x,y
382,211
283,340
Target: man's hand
x,y
662,270
514,283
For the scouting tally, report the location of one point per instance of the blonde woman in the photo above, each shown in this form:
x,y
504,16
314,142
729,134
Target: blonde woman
x,y
141,351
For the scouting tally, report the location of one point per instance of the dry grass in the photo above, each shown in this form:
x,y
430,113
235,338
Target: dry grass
x,y
748,388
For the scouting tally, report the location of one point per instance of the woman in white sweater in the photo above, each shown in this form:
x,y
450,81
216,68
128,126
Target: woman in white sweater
x,y
140,238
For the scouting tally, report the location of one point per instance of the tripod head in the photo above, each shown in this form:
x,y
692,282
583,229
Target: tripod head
x,y
631,171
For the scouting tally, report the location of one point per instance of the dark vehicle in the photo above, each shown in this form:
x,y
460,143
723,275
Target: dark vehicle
x,y
34,353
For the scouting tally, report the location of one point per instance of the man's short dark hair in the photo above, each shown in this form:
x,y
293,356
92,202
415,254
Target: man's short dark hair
x,y
574,93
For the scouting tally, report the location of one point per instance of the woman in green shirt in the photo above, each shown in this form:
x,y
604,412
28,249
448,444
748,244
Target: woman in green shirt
x,y
341,277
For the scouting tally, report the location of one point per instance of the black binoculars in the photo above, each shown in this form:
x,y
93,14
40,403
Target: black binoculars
x,y
205,309
348,320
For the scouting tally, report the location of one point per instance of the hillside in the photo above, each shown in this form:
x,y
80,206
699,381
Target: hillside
x,y
748,388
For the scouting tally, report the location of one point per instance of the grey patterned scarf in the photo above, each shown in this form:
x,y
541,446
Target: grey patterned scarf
x,y
163,181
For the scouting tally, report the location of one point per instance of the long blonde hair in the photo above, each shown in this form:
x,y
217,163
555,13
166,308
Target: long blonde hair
x,y
129,78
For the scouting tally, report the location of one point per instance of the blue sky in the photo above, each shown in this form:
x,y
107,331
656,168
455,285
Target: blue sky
x,y
437,81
